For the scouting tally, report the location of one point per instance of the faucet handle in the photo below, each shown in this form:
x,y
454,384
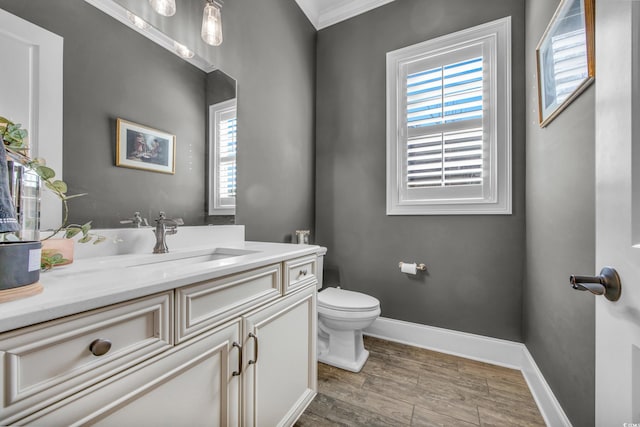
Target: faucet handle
x,y
162,219
137,220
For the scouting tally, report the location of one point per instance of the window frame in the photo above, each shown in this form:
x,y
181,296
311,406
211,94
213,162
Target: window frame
x,y
494,39
216,208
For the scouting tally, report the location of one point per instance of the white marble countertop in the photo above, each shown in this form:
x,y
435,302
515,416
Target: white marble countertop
x,y
95,282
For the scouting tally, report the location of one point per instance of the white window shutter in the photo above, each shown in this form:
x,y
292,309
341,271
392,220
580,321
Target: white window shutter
x,y
222,151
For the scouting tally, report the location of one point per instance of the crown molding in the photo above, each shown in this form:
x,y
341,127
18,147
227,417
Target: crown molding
x,y
310,8
348,10
325,17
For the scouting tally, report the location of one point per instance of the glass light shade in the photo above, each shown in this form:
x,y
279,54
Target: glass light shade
x,y
212,25
164,7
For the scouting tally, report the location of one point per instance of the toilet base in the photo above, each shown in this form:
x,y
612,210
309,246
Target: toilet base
x,y
340,348
349,365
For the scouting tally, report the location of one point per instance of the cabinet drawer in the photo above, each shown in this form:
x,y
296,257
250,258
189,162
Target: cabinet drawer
x,y
46,362
207,304
299,272
190,385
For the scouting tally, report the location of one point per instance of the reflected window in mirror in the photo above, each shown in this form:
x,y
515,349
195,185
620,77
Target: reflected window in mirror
x,y
223,145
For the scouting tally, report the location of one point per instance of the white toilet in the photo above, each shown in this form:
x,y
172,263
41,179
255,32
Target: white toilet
x,y
342,315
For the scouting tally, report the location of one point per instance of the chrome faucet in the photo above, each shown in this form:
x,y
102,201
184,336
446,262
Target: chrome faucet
x,y
165,226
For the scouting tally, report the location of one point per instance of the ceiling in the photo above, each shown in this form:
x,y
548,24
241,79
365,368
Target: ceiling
x,y
323,13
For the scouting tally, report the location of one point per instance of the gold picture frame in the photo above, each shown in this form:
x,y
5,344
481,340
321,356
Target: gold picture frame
x,y
565,57
142,147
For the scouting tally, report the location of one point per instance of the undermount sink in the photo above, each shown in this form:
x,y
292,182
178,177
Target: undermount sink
x,y
189,258
175,259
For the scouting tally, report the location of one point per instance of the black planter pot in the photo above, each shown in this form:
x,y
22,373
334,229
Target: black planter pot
x,y
19,264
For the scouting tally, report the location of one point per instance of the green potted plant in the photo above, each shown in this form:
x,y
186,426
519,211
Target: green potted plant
x,y
14,137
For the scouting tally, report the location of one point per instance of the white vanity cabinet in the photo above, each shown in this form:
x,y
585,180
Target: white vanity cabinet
x,y
299,272
44,363
239,350
280,375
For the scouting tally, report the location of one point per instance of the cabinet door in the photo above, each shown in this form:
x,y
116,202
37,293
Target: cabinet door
x,y
191,385
280,369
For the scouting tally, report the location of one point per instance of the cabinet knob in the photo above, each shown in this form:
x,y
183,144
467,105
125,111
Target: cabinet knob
x,y
100,347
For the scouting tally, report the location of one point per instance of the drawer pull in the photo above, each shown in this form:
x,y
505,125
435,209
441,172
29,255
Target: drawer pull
x,y
302,273
100,347
253,362
239,371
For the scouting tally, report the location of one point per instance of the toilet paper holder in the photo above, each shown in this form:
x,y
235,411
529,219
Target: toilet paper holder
x,y
419,267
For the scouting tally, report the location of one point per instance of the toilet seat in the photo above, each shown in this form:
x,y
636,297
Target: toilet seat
x,y
334,299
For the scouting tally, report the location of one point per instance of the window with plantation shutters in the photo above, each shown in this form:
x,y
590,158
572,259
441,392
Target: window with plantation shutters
x,y
444,125
448,124
222,182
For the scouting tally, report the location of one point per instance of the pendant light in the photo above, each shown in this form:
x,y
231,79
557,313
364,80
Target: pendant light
x,y
212,24
164,7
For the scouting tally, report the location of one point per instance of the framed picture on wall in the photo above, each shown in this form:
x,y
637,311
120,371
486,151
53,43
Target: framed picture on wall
x,y
142,147
565,57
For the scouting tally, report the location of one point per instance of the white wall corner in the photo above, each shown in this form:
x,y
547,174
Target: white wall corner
x,y
495,351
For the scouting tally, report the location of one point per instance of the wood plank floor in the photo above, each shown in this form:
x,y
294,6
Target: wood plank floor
x,y
402,385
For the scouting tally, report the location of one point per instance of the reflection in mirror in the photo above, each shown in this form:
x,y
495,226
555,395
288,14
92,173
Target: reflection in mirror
x,y
140,17
222,144
120,75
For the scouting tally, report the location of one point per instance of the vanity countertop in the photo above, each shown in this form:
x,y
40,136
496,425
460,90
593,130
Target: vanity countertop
x,y
97,282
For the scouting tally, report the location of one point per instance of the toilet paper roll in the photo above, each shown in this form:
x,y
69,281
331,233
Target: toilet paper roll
x,y
409,268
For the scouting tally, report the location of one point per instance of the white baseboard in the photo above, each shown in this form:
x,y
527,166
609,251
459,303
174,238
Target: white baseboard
x,y
484,349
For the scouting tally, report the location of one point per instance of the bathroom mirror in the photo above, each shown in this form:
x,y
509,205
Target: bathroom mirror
x,y
111,72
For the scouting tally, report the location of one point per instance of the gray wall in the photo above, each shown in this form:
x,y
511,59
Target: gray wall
x,y
476,263
269,48
110,71
559,323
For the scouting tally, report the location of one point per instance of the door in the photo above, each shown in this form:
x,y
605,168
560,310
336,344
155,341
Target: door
x,y
279,375
31,87
618,209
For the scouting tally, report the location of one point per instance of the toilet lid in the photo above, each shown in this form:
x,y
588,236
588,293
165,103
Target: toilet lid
x,y
340,299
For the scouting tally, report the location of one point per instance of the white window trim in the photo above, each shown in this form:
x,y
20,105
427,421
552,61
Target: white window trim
x,y
498,200
214,197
